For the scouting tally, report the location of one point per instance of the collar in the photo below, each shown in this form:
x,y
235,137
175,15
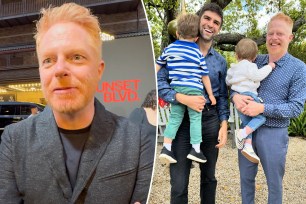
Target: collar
x,y
282,60
211,51
265,60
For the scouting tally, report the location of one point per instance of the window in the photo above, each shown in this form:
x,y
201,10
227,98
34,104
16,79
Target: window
x,y
7,110
25,110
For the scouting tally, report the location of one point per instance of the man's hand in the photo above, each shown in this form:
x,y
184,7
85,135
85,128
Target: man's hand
x,y
241,101
212,99
222,138
194,102
253,108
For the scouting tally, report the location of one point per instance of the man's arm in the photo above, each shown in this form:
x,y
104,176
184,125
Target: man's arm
x,y
222,137
207,85
222,102
222,107
164,90
157,67
291,108
8,187
145,167
168,94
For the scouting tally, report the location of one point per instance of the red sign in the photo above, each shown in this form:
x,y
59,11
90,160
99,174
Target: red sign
x,y
119,91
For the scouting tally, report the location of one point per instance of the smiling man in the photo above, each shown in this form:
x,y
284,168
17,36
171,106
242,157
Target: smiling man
x,y
75,151
284,94
214,117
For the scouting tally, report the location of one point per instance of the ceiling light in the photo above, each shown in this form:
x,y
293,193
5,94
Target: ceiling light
x,y
106,37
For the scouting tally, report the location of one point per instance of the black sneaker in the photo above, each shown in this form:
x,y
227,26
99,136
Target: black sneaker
x,y
167,156
198,157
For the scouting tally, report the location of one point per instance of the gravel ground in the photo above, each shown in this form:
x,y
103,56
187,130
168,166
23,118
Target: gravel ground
x,y
228,190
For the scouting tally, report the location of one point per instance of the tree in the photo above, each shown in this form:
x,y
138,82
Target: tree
x,y
160,13
240,20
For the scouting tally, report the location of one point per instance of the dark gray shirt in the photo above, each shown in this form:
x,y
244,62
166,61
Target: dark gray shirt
x,y
139,116
73,142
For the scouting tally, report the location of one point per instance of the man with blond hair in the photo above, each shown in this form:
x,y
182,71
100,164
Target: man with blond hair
x,y
75,151
284,94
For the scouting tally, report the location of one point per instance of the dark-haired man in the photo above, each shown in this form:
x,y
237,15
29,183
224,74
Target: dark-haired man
x,y
214,118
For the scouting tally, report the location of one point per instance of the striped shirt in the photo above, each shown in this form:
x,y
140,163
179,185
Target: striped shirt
x,y
185,63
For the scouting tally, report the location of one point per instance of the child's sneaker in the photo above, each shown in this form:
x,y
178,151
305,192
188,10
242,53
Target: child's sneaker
x,y
167,156
249,153
239,139
198,157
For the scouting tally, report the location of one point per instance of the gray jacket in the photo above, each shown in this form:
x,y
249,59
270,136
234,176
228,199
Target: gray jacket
x,y
115,166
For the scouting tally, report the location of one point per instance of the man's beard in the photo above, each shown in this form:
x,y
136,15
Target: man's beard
x,y
71,102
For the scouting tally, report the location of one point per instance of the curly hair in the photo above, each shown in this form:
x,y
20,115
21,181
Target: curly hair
x,y
150,100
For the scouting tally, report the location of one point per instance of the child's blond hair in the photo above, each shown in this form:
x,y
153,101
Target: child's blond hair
x,y
246,49
188,26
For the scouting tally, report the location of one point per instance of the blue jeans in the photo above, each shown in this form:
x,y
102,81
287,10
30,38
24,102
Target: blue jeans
x,y
271,145
177,115
253,122
179,172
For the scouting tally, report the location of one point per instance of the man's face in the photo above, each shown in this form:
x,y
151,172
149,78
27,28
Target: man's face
x,y
210,25
279,36
34,110
69,67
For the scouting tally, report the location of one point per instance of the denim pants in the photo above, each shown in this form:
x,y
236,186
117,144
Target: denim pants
x,y
177,115
255,121
270,144
179,172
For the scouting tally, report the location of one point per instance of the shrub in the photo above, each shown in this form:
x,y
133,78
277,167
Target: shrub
x,y
298,125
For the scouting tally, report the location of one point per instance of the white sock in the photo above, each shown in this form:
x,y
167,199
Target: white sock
x,y
196,147
168,146
248,145
243,133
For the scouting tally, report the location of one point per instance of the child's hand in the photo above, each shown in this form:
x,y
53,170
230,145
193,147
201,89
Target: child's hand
x,y
272,64
212,100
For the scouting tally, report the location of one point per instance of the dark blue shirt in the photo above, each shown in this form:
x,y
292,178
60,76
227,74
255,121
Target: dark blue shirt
x,y
283,91
216,65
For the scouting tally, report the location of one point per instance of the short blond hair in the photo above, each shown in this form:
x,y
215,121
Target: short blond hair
x,y
69,12
246,49
188,25
283,17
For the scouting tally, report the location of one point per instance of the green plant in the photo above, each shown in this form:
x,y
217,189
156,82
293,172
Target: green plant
x,y
298,125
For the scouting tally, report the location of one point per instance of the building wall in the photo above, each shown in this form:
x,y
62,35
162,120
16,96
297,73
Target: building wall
x,y
21,65
129,70
22,34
